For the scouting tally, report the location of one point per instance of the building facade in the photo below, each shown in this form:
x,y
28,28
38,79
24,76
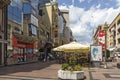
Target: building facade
x,y
48,25
62,24
96,39
66,30
113,33
22,32
3,31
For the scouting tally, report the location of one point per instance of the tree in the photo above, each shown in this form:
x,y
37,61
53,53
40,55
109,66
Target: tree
x,y
107,53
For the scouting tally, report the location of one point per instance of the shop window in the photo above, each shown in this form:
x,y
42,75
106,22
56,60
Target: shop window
x,y
29,51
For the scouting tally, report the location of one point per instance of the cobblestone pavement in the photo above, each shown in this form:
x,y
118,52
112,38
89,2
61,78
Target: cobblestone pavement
x,y
48,71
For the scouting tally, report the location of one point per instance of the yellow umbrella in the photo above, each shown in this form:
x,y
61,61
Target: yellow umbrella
x,y
73,47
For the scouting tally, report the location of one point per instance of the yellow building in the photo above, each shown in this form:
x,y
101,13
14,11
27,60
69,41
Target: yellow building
x,y
48,23
114,33
96,31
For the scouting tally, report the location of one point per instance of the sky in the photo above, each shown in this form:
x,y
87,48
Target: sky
x,y
86,15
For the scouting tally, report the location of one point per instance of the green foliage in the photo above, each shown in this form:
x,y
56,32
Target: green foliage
x,y
107,53
65,66
71,65
72,61
78,68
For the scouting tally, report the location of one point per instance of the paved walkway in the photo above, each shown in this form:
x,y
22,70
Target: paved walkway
x,y
48,71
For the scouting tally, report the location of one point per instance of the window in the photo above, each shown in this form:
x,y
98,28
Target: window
x,y
119,40
56,34
118,22
32,30
29,51
16,30
8,36
47,36
26,8
15,12
0,36
41,12
9,26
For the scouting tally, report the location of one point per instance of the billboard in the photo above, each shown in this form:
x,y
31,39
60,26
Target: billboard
x,y
101,39
96,52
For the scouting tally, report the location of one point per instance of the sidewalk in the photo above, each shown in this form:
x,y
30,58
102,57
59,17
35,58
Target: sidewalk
x,y
48,71
38,70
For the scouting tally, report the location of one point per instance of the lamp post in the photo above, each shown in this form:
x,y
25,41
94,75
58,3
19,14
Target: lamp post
x,y
105,66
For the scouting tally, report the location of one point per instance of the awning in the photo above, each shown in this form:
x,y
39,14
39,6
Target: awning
x,y
111,49
25,38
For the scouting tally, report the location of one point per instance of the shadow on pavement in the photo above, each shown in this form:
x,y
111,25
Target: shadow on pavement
x,y
25,67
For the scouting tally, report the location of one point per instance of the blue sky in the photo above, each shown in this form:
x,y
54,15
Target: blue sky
x,y
86,15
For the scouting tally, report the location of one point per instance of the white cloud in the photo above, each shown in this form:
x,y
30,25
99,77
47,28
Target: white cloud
x,y
63,7
72,2
81,1
89,1
83,22
118,2
98,6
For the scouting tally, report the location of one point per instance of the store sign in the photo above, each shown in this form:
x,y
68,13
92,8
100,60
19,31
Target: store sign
x,y
96,53
34,20
101,39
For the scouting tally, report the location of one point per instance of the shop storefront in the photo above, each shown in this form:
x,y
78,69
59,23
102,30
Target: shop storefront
x,y
24,48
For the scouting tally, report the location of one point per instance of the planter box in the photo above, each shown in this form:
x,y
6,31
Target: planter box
x,y
70,74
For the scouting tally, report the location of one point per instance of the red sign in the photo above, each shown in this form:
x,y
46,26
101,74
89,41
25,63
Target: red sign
x,y
101,39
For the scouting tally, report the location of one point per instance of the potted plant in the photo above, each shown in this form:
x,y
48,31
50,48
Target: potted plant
x,y
71,70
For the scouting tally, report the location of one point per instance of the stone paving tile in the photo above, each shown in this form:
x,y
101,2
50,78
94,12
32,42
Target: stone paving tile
x,y
48,71
23,78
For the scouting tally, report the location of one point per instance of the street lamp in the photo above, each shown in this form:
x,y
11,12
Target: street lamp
x,y
105,66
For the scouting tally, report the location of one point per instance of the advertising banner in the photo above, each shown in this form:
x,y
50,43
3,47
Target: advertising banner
x,y
101,39
96,53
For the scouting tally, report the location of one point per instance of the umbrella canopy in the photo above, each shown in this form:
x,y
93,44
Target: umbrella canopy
x,y
73,47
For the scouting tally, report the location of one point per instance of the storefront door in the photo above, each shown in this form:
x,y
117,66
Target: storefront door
x,y
21,55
